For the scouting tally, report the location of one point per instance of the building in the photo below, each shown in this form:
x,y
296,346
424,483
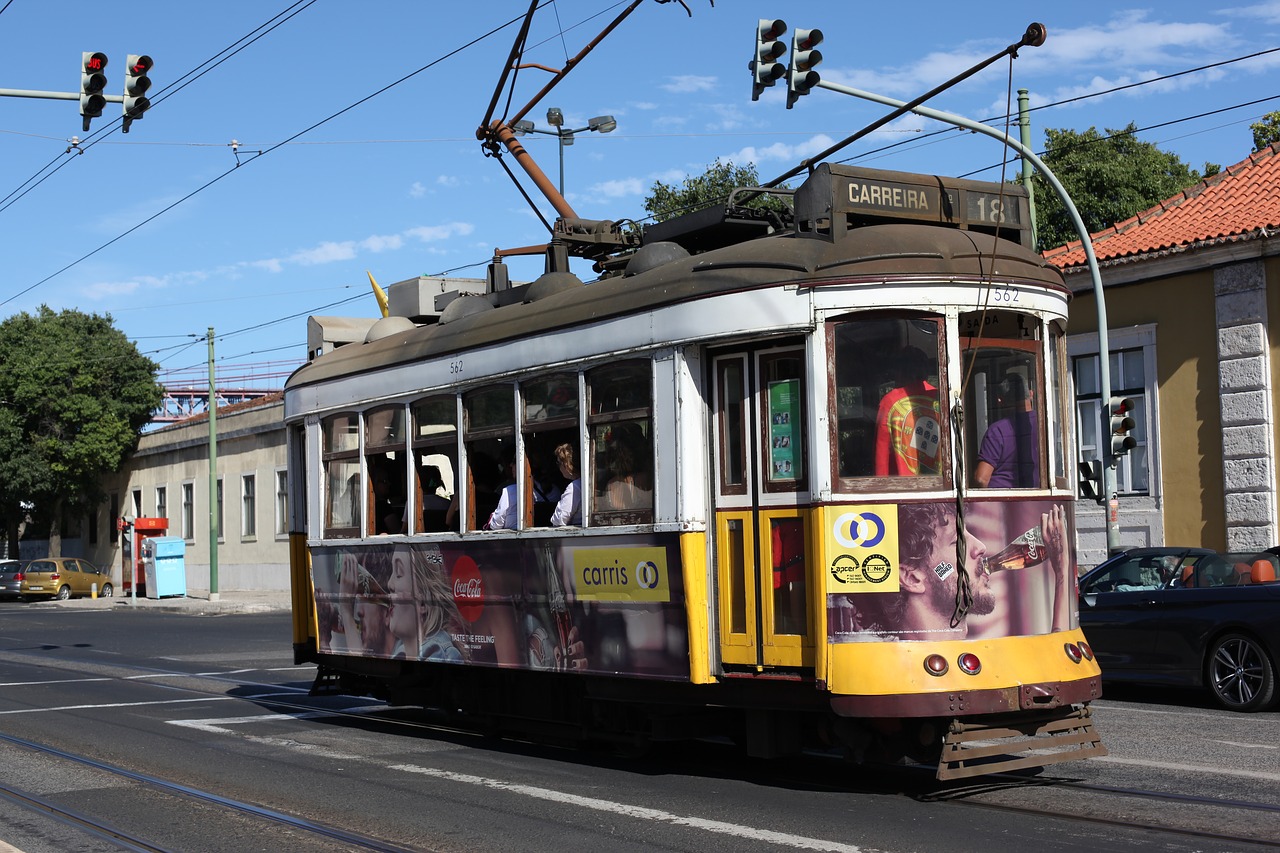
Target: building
x,y
1192,290
168,477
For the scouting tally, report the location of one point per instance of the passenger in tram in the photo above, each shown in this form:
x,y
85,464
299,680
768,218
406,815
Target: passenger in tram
x,y
1009,457
435,500
569,507
630,465
503,516
908,433
422,613
388,495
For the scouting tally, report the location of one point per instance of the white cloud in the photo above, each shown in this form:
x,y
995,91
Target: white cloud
x,y
689,83
417,190
1267,12
448,181
618,188
781,151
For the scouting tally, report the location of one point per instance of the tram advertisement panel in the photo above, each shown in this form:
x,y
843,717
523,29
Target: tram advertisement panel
x,y
891,570
601,605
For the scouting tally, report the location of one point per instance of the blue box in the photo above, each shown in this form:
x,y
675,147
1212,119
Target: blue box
x,y
164,560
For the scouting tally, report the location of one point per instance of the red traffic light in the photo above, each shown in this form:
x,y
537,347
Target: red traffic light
x,y
140,64
94,62
771,29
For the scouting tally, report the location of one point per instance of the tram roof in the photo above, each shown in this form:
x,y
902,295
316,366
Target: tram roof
x,y
665,273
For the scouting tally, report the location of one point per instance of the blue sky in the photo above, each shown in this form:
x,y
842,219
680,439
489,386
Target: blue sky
x,y
397,184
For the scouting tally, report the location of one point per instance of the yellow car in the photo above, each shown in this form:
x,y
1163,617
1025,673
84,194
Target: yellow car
x,y
63,577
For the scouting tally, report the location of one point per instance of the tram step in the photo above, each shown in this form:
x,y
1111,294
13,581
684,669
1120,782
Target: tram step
x,y
974,748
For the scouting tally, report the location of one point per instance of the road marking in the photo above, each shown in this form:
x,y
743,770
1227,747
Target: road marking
x,y
58,681
797,841
121,705
1192,768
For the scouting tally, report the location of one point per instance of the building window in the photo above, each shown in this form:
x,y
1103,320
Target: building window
x,y
137,503
248,506
188,511
1131,376
221,528
162,502
282,502
115,517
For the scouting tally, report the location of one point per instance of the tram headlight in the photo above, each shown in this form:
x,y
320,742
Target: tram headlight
x,y
969,663
936,665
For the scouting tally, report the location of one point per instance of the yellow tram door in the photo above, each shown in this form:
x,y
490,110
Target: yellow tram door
x,y
761,530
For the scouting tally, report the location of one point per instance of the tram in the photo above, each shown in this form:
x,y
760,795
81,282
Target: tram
x,y
797,474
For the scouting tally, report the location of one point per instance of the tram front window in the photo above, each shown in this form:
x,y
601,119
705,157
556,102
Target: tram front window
x,y
1005,403
889,420
621,443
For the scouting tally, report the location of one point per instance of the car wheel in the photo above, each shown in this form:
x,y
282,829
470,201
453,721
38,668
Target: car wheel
x,y
64,592
107,591
1241,675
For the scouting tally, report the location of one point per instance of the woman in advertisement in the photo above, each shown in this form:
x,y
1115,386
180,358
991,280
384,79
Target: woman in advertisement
x,y
423,615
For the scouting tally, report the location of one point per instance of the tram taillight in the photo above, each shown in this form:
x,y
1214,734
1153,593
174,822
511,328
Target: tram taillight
x,y
936,665
969,663
1073,652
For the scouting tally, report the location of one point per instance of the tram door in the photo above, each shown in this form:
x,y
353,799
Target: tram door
x,y
761,528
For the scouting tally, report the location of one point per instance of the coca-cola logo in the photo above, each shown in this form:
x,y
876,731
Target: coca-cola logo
x,y
468,588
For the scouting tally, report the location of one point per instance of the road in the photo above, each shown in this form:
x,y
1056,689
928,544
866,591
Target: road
x,y
201,736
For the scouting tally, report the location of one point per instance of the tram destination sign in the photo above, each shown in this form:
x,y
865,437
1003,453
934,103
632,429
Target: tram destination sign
x,y
859,194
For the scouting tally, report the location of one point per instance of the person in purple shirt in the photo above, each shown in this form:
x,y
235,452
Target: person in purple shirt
x,y
1010,454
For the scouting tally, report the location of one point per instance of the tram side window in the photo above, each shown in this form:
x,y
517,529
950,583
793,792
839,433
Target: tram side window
x,y
888,419
435,463
490,424
620,421
343,489
549,421
1004,400
384,456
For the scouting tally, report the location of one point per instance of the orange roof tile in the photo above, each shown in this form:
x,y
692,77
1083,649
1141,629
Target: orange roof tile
x,y
1239,203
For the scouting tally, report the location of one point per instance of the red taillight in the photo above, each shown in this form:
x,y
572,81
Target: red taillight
x,y
19,577
1073,652
969,663
935,665
54,576
1085,650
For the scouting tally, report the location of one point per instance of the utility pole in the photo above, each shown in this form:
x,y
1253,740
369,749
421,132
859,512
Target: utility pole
x,y
213,476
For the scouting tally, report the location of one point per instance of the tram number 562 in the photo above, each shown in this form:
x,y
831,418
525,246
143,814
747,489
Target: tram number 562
x,y
1001,296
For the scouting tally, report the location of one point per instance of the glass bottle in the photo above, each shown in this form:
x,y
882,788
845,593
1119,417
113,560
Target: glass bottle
x,y
1027,550
559,614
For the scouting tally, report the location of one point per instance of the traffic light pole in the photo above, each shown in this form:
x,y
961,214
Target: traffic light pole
x,y
1104,346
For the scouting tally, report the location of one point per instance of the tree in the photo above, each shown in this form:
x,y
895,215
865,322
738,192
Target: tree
x,y
712,187
1109,178
76,395
1267,131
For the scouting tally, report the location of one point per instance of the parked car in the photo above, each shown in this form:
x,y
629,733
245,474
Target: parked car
x,y
63,577
1187,617
10,579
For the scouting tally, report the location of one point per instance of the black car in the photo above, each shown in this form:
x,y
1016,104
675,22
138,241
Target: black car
x,y
1187,617
10,579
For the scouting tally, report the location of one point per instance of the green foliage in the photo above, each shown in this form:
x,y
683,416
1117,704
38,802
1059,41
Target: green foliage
x,y
76,393
1109,178
1267,131
712,187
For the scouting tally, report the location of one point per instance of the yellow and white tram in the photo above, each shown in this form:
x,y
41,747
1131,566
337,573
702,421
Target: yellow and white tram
x,y
822,469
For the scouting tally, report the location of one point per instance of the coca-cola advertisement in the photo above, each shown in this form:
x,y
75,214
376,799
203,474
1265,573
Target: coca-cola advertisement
x,y
920,571
602,605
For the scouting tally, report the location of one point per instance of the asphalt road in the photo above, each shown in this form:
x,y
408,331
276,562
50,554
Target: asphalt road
x,y
214,703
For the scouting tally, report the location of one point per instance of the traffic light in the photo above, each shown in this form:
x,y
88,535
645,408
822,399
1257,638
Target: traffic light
x,y
1091,481
800,74
136,84
1122,423
765,67
93,79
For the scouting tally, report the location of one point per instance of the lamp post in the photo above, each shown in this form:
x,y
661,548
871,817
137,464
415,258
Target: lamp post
x,y
555,118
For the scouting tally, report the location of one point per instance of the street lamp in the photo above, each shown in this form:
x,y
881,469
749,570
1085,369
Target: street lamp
x,y
555,118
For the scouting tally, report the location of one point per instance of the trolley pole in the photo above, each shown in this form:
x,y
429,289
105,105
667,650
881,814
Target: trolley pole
x,y
213,476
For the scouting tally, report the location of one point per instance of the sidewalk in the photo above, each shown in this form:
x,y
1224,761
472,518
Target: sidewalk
x,y
195,603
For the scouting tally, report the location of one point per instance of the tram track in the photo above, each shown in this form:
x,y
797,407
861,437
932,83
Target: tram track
x,y
107,831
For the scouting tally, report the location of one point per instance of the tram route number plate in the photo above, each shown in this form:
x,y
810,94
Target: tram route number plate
x,y
932,202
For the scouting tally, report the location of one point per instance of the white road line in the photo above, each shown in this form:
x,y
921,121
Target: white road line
x,y
796,841
1246,745
1190,768
58,681
120,705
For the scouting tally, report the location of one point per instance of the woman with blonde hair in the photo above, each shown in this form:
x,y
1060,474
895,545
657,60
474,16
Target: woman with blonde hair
x,y
423,614
569,508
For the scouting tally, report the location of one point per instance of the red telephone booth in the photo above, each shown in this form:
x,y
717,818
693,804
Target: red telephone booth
x,y
131,539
